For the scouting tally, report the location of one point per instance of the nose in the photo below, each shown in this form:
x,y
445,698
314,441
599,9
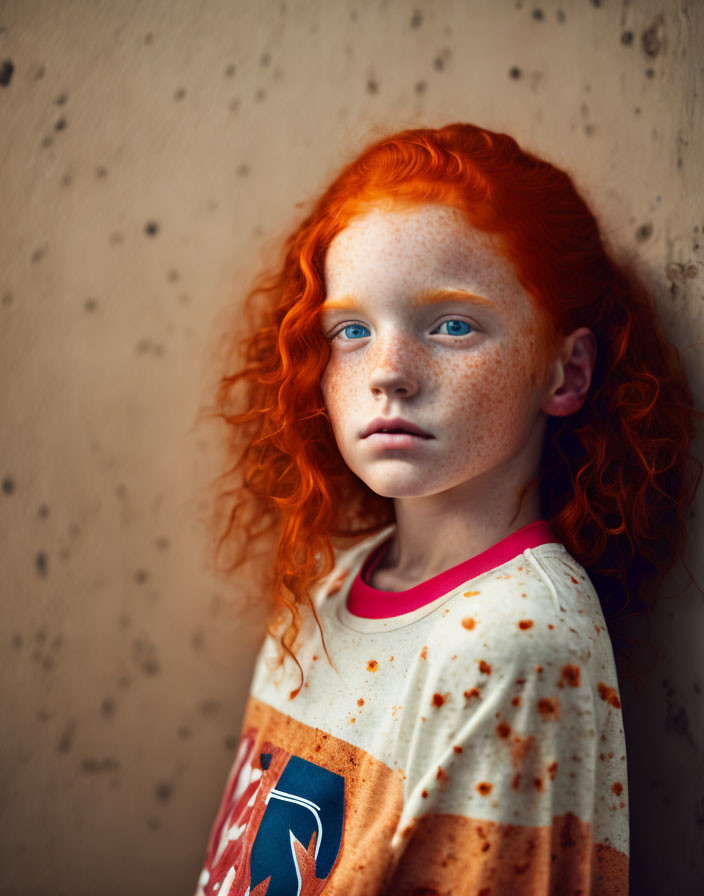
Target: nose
x,y
393,370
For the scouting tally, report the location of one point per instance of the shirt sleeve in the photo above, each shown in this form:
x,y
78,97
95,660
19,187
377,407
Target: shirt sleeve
x,y
527,794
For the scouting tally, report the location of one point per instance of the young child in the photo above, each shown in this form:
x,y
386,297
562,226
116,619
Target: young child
x,y
460,417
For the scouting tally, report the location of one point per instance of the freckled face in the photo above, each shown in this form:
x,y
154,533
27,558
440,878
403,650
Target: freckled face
x,y
435,329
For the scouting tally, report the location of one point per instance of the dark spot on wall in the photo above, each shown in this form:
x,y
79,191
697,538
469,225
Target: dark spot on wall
x,y
198,640
66,739
644,232
243,169
439,64
146,346
42,715
596,4
650,39
514,72
145,656
90,304
116,238
264,60
209,707
420,87
151,228
627,38
61,124
101,172
183,732
141,576
230,71
180,94
148,39
39,254
17,640
161,542
46,142
416,19
677,721
153,823
538,15
260,95
66,180
231,742
107,707
124,681
163,791
38,71
372,86
7,298
91,766
6,70
41,563
636,111
57,642
560,16
650,73
8,485
234,104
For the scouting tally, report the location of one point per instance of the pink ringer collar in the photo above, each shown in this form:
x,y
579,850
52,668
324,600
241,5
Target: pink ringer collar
x,y
373,603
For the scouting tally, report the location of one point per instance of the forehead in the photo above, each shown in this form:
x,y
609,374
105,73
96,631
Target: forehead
x,y
403,250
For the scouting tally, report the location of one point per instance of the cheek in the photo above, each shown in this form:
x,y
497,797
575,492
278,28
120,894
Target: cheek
x,y
494,391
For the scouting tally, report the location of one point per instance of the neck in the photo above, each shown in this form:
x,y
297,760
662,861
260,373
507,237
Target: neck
x,y
463,521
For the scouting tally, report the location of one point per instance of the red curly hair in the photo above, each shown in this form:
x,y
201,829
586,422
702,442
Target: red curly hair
x,y
616,477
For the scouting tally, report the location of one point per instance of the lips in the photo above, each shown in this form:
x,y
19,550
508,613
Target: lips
x,y
396,425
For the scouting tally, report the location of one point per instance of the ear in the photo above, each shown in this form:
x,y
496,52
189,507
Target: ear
x,y
570,374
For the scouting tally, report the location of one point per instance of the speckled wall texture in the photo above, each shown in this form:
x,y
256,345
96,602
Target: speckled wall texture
x,y
152,153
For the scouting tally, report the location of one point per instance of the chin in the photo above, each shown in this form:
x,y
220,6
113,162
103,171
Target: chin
x,y
396,487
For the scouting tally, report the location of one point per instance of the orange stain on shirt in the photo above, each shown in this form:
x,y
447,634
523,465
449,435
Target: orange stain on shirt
x,y
520,748
471,593
525,624
570,675
538,784
484,787
484,667
617,788
473,693
516,701
442,776
552,770
372,666
503,729
468,622
424,653
439,699
457,748
609,694
360,702
516,782
548,707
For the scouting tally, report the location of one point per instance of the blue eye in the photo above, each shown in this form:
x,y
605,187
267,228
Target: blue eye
x,y
351,327
453,331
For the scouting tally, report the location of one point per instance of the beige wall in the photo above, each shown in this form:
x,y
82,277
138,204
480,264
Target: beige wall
x,y
124,673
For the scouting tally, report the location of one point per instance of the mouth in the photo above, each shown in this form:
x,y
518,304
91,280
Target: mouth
x,y
395,427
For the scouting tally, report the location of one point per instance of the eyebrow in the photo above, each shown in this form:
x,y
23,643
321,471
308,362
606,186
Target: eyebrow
x,y
424,297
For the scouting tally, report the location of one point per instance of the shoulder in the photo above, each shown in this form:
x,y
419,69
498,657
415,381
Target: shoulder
x,y
538,609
